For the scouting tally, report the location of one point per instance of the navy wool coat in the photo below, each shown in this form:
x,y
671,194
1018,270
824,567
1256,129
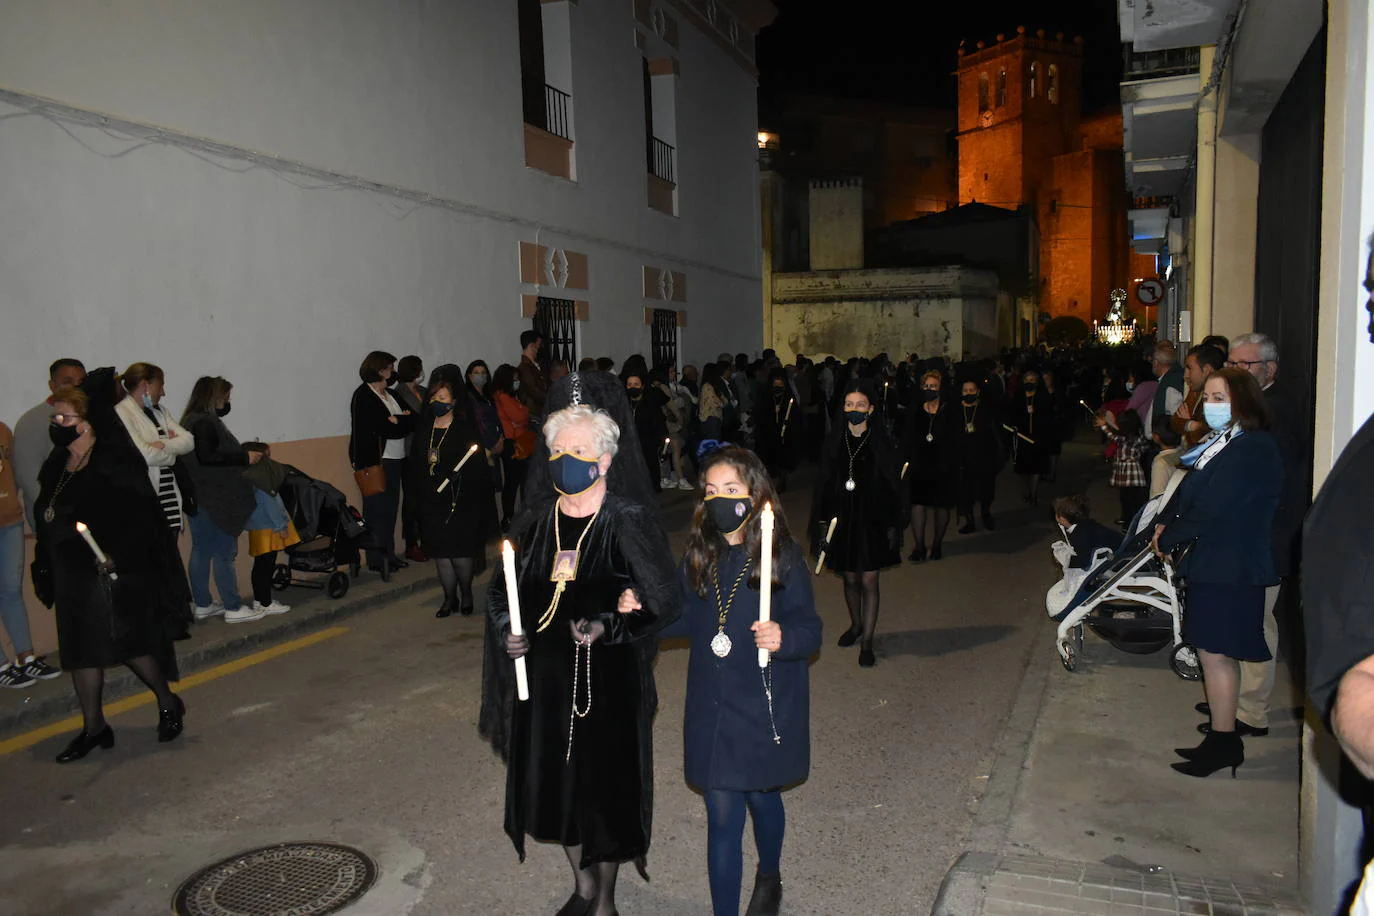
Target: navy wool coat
x,y
727,737
1228,508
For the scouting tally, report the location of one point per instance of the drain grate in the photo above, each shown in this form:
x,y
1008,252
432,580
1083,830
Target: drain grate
x,y
299,879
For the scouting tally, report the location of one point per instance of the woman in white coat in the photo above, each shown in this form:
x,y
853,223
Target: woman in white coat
x,y
158,438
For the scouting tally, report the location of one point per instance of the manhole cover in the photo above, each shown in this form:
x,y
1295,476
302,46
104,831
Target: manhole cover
x,y
299,879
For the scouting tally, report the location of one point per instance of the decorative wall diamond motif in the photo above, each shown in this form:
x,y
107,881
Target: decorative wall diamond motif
x,y
659,21
556,267
665,284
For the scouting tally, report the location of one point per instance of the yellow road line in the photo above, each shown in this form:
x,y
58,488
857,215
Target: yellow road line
x,y
28,739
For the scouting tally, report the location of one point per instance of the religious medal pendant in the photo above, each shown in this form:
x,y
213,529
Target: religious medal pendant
x,y
433,457
968,427
849,485
720,644
564,567
49,514
930,437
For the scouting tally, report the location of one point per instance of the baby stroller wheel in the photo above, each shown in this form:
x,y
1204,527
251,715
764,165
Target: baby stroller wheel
x,y
1185,663
281,577
337,586
1068,654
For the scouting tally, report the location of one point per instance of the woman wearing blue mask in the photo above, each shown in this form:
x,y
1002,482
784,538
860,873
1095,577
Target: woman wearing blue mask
x,y
579,751
860,488
455,507
746,732
1225,510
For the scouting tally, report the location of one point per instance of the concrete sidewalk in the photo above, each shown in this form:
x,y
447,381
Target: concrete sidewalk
x,y
1082,814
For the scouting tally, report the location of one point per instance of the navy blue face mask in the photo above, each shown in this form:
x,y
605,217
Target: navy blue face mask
x,y
440,408
571,474
855,417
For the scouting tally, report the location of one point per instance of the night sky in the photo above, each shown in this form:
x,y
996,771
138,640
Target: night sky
x,y
904,52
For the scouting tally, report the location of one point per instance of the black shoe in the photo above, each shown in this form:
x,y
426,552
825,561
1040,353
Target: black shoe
x,y
968,527
397,563
1217,751
866,657
1204,708
767,897
445,610
83,744
1243,729
576,906
169,721
847,638
918,554
937,552
988,523
466,609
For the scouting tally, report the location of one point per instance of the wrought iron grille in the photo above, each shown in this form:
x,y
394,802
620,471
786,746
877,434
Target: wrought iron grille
x,y
663,334
556,104
661,162
556,321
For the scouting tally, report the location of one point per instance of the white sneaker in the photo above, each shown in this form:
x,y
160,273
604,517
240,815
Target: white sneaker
x,y
214,609
667,483
244,614
685,484
276,607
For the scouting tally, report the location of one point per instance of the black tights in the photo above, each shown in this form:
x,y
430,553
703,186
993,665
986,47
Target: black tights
x,y
938,517
455,575
261,577
595,882
90,685
861,597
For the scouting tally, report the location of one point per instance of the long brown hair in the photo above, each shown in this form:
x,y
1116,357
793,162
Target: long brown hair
x,y
706,545
206,394
1248,409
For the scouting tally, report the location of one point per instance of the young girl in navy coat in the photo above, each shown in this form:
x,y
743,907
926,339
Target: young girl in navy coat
x,y
746,734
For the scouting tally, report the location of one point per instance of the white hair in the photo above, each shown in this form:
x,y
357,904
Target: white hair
x,y
605,431
1268,350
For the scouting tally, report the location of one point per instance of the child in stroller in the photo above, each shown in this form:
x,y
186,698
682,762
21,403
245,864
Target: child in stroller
x,y
1125,593
331,534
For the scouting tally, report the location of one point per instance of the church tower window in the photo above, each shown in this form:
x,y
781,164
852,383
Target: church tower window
x,y
1034,77
1052,84
983,92
1001,87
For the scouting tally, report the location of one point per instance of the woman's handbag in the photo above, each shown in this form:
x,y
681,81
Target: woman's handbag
x,y
371,481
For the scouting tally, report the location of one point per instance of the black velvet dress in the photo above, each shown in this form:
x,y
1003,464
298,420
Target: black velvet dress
x,y
872,515
598,796
1034,419
459,522
931,446
776,431
101,623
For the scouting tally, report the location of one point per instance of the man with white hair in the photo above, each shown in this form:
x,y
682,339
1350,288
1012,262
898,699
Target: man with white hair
x,y
579,751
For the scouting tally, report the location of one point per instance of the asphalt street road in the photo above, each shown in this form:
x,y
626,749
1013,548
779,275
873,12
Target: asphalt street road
x,y
367,736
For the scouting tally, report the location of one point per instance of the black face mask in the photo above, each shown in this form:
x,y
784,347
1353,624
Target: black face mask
x,y
635,393
970,400
223,411
729,512
855,417
441,408
927,395
62,436
1031,387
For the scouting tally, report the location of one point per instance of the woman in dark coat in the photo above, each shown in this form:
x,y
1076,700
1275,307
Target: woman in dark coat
x,y
978,455
485,415
380,428
455,522
1225,509
646,403
777,421
1034,424
930,441
746,733
860,487
126,609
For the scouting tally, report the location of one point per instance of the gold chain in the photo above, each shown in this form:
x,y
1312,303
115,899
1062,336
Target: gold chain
x,y
724,609
547,617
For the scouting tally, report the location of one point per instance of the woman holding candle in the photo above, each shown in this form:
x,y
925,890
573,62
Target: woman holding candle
x,y
1034,424
776,418
977,454
125,609
746,732
929,442
452,487
860,487
579,752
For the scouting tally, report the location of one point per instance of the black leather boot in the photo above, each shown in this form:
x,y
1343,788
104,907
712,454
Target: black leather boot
x,y
767,896
1217,751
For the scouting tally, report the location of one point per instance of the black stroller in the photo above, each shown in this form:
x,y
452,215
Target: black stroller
x,y
331,534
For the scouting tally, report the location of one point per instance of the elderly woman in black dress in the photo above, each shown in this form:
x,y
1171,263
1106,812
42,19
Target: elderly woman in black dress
x,y
123,605
930,450
1225,510
455,507
860,488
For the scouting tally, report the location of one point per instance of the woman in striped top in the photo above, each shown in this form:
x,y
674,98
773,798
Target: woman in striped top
x,y
158,437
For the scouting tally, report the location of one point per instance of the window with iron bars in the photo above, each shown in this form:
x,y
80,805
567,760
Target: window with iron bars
x,y
663,338
556,321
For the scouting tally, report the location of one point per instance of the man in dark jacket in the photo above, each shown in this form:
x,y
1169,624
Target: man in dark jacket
x,y
534,385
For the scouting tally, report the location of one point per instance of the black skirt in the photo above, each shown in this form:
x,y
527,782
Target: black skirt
x,y
1227,620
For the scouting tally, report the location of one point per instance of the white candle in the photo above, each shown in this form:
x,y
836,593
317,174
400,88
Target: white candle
x,y
765,573
100,557
470,453
517,628
905,465
829,533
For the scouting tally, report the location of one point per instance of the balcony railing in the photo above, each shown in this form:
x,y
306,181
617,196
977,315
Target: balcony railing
x,y
1152,203
1148,65
556,103
661,161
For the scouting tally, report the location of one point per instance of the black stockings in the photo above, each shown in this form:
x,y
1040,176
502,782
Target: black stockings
x,y
861,597
455,575
938,517
89,684
596,882
263,567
